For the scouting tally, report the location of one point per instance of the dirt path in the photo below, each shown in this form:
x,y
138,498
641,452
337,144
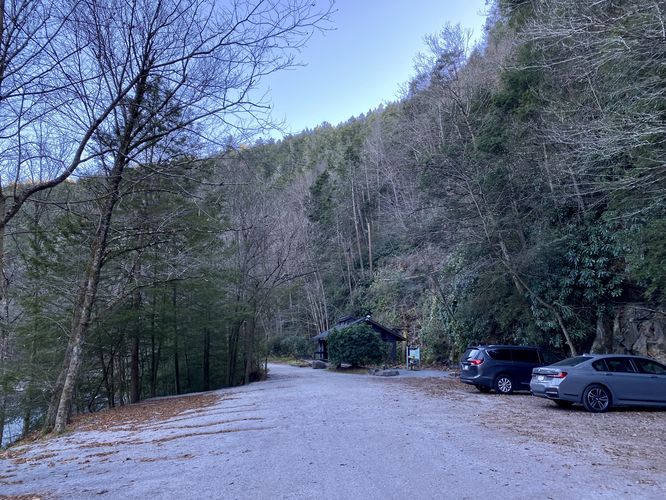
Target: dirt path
x,y
315,434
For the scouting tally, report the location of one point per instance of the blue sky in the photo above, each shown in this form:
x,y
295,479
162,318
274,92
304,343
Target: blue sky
x,y
364,61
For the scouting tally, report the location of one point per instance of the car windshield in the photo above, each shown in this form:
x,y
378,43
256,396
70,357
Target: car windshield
x,y
572,361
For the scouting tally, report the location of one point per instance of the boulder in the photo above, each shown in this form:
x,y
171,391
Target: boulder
x,y
318,364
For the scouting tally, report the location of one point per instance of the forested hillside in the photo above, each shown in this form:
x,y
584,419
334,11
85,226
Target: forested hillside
x,y
516,193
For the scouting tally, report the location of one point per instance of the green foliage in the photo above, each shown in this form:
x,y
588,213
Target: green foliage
x,y
519,94
646,258
320,207
357,345
291,345
438,330
594,265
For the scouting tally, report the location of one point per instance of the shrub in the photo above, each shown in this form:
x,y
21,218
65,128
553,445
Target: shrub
x,y
357,345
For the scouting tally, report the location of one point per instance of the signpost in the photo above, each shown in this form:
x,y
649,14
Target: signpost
x,y
413,358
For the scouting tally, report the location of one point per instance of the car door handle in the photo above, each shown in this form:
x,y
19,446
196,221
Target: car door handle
x,y
609,374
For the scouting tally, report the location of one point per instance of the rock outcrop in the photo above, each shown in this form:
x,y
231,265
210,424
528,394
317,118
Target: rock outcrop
x,y
636,329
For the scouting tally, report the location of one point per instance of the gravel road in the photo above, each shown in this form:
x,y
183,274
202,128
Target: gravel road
x,y
316,434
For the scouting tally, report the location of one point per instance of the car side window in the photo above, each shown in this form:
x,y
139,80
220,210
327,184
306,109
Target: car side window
x,y
600,365
549,358
500,354
525,355
619,365
651,367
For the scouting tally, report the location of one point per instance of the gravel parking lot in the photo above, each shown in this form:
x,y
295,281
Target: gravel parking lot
x,y
632,439
317,434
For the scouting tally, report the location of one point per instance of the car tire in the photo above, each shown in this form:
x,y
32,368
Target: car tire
x,y
562,403
504,384
596,398
482,388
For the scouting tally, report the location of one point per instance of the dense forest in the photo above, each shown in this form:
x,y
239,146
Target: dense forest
x,y
515,193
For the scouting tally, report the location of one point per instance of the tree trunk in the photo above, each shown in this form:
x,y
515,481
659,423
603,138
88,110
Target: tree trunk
x,y
249,349
111,385
188,378
86,298
206,360
49,421
356,228
370,248
154,356
3,404
103,382
156,366
135,377
27,414
4,312
234,336
135,372
176,361
348,258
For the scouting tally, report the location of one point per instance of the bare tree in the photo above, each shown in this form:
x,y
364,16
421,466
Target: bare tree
x,y
28,29
164,70
602,59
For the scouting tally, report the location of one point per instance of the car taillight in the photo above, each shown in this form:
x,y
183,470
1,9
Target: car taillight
x,y
475,361
557,375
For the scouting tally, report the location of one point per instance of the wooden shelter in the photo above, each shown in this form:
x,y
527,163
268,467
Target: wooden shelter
x,y
386,334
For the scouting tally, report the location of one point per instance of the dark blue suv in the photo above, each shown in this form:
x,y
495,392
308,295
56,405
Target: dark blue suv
x,y
505,368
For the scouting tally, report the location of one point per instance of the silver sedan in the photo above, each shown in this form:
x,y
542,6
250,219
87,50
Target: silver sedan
x,y
600,382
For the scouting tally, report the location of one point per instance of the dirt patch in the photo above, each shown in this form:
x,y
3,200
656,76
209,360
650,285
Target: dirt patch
x,y
625,436
439,386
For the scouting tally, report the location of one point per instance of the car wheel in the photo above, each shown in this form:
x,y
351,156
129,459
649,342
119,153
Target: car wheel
x,y
563,404
596,399
482,388
504,384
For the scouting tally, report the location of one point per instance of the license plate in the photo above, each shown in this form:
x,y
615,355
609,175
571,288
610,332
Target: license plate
x,y
541,378
465,367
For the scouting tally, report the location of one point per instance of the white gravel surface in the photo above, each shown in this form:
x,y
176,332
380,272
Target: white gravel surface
x,y
317,434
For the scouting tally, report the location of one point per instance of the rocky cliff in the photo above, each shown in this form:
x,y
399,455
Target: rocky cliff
x,y
635,329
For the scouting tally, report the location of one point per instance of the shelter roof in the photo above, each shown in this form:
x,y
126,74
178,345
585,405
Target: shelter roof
x,y
350,321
